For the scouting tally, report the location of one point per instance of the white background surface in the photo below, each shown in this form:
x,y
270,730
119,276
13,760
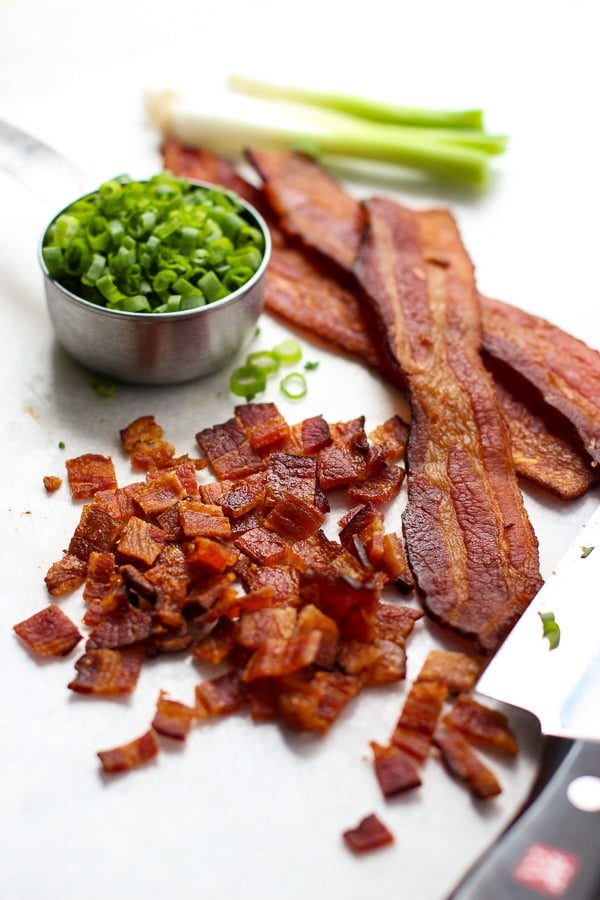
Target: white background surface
x,y
246,812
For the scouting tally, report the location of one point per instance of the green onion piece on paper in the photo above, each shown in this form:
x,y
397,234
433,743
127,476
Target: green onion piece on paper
x,y
293,386
551,631
247,381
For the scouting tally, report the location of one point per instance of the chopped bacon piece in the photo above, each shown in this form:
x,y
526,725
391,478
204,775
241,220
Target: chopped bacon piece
x,y
263,699
294,518
369,834
348,602
216,646
118,503
419,717
470,543
563,368
243,496
316,704
395,770
172,718
378,488
394,562
288,473
283,580
129,756
106,672
149,457
311,619
311,435
263,424
49,632
159,493
89,473
122,627
143,430
96,530
141,541
219,696
257,627
457,671
392,436
203,520
276,657
100,576
52,483
463,762
481,725
261,545
229,451
65,575
395,623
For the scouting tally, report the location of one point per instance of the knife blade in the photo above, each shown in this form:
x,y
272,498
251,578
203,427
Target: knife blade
x,y
45,172
551,849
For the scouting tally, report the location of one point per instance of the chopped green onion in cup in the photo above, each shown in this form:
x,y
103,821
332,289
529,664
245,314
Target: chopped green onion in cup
x,y
158,246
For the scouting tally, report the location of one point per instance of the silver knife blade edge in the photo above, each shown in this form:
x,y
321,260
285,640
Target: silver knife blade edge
x,y
45,172
561,686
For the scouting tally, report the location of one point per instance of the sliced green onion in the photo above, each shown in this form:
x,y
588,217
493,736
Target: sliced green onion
x,y
293,386
247,381
551,631
264,360
288,352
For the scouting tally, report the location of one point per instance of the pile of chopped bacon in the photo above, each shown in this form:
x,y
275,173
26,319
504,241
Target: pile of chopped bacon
x,y
235,569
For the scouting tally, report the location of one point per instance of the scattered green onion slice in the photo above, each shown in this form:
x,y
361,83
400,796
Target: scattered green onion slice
x,y
264,360
293,386
132,245
310,366
288,352
585,552
103,388
550,629
247,381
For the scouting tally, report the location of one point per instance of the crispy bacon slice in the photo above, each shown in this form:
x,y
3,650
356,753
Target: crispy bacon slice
x,y
419,717
90,473
294,518
122,627
263,424
219,696
463,762
261,545
203,165
128,756
96,530
228,450
49,632
159,493
309,204
563,368
370,834
242,496
65,575
470,544
107,672
395,769
172,718
482,725
316,704
141,541
457,671
546,448
203,520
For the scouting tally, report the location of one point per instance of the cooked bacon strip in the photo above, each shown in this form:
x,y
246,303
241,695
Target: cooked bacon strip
x,y
370,834
65,575
545,446
203,165
394,562
129,756
463,762
342,248
482,725
395,769
457,671
49,632
309,204
107,672
471,546
89,473
563,368
172,718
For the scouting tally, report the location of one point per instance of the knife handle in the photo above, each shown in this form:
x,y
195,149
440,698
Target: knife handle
x,y
553,847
